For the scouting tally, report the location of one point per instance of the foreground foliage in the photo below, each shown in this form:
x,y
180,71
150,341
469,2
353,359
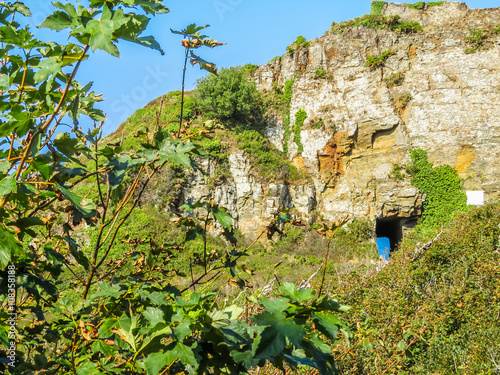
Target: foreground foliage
x,y
81,305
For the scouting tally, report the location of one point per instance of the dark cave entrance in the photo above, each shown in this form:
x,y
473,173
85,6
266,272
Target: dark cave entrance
x,y
391,228
394,228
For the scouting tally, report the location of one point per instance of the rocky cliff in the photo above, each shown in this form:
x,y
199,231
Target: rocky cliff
x,y
438,89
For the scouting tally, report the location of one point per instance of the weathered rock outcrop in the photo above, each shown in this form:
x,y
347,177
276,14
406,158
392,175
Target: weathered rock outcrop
x,y
448,104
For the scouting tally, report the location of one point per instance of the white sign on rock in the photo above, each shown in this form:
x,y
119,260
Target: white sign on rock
x,y
475,198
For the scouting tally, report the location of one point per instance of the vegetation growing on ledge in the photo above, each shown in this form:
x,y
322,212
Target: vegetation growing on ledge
x,y
320,73
377,22
250,68
300,117
377,7
398,172
476,40
268,161
299,42
395,79
403,101
435,3
377,61
421,5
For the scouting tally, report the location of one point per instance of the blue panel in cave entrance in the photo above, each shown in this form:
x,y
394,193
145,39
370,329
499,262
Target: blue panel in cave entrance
x,y
383,247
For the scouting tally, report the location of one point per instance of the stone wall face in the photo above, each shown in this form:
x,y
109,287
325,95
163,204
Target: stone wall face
x,y
452,110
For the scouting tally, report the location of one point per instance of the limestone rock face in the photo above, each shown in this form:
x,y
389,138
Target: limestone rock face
x,y
447,104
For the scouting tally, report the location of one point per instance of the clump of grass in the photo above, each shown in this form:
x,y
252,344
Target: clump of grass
x,y
317,124
378,7
403,101
377,61
395,79
419,5
435,3
476,40
377,22
320,73
398,172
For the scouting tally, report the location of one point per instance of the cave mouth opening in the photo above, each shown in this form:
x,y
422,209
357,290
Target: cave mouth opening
x,y
390,231
391,228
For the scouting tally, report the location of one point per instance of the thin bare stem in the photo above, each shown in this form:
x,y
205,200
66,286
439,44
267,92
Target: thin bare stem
x,y
182,91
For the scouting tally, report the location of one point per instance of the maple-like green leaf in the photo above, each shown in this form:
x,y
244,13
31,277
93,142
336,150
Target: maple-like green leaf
x,y
298,295
86,207
223,218
48,67
186,355
8,185
67,145
328,324
119,165
42,166
9,245
102,31
279,330
157,361
154,315
4,82
100,346
58,21
205,65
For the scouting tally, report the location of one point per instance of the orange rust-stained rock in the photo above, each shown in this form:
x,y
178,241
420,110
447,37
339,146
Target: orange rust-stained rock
x,y
330,159
465,156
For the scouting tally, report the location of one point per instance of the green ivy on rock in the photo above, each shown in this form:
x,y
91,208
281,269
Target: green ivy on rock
x,y
444,194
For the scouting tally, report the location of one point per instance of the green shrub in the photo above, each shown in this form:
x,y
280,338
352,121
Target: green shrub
x,y
377,61
442,187
407,27
377,7
420,5
435,315
229,96
395,79
250,68
299,42
361,230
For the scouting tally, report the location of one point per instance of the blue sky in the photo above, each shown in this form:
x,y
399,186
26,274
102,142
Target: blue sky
x,y
255,31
